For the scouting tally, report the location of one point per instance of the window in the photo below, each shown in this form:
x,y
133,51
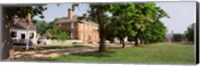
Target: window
x,y
14,34
81,35
72,25
85,26
81,26
31,35
23,36
72,35
89,37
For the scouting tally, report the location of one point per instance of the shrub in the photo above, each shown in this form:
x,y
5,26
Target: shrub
x,y
178,37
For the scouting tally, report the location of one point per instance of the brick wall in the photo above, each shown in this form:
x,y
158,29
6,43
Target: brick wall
x,y
87,32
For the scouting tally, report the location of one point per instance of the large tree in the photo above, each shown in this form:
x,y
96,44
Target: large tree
x,y
155,32
148,16
136,20
8,13
120,24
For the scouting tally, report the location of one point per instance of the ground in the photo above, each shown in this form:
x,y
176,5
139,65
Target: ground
x,y
160,53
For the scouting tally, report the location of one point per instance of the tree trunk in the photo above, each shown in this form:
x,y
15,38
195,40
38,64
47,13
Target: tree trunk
x,y
145,41
100,13
122,42
141,40
7,52
136,40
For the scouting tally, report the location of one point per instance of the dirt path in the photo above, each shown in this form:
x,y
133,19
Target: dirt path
x,y
28,55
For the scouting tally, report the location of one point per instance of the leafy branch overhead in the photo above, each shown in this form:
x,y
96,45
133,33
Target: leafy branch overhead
x,y
36,10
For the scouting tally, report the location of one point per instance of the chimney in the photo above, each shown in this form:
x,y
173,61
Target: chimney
x,y
29,17
70,13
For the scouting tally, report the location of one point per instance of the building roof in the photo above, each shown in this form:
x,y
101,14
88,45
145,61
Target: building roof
x,y
74,19
47,34
21,23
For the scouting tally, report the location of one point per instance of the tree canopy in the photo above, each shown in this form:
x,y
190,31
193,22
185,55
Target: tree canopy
x,y
22,11
136,20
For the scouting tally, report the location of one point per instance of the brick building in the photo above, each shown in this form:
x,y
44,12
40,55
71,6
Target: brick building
x,y
84,30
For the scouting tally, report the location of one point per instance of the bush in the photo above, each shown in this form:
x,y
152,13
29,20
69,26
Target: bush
x,y
59,33
178,37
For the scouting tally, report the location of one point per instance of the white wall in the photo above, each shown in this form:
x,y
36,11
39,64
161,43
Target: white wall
x,y
19,32
65,42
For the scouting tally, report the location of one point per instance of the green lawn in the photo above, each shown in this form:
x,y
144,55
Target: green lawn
x,y
153,54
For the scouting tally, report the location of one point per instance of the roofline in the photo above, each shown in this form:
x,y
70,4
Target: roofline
x,y
76,22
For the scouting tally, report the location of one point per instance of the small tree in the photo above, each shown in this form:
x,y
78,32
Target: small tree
x,y
58,33
42,26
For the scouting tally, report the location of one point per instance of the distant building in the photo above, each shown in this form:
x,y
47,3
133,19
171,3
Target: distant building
x,y
84,30
170,36
22,30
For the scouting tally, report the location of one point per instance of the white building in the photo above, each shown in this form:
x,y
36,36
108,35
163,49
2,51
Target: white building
x,y
23,30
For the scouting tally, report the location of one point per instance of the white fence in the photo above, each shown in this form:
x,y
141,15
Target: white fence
x,y
64,42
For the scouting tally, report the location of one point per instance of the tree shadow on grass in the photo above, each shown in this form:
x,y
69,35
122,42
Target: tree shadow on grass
x,y
95,54
140,46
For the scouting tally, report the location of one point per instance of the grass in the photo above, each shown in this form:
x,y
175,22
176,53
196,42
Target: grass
x,y
50,47
154,54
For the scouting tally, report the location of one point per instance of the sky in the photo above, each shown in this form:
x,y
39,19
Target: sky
x,y
182,14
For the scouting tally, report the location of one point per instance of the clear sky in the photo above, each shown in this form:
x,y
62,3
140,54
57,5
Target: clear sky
x,y
182,14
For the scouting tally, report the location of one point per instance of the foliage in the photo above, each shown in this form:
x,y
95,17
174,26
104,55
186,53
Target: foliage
x,y
57,32
22,12
155,34
190,32
138,20
178,37
148,24
41,26
120,23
